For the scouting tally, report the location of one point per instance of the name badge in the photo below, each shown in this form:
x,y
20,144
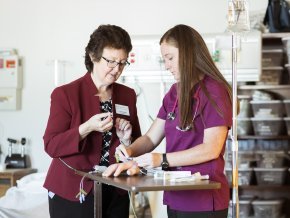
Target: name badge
x,y
122,109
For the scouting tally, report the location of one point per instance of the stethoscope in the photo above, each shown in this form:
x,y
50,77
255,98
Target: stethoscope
x,y
172,115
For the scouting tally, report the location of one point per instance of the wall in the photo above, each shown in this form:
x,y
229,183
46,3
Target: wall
x,y
42,31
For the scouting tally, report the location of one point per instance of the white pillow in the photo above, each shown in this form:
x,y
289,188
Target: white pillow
x,y
31,178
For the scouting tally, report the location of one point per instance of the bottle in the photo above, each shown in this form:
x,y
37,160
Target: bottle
x,y
238,16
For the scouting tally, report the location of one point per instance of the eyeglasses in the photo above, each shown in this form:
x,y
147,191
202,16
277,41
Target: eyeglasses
x,y
113,64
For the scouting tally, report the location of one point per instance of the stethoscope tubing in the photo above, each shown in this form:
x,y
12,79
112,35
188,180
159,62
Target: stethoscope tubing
x,y
171,115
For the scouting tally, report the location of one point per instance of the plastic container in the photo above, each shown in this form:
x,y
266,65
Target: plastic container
x,y
244,126
267,208
268,108
272,145
245,208
244,175
287,122
271,76
261,95
270,159
268,126
286,43
267,176
272,57
244,145
245,107
287,106
288,57
287,66
246,159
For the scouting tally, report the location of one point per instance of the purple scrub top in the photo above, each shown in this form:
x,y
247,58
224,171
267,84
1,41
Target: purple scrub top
x,y
207,116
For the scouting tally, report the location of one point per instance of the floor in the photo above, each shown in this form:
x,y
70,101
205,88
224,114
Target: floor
x,y
141,206
141,213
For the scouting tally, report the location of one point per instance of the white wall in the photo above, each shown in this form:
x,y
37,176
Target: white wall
x,y
45,30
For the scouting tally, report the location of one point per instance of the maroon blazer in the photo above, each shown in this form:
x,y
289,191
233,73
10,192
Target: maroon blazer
x,y
72,105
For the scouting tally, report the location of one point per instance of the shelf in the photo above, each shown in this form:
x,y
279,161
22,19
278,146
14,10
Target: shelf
x,y
266,187
264,137
275,35
282,90
264,87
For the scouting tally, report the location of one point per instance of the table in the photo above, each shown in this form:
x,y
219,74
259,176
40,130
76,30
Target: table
x,y
8,177
140,183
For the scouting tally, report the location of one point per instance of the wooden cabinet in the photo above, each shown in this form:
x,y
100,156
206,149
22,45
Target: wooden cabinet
x,y
9,177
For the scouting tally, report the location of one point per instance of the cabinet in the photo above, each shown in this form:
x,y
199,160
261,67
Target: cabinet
x,y
9,177
261,142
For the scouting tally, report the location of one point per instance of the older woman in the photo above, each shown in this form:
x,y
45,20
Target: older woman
x,y
88,119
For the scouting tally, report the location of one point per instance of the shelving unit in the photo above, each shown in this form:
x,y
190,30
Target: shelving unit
x,y
279,91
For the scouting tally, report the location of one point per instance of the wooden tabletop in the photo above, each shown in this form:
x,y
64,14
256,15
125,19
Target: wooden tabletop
x,y
148,183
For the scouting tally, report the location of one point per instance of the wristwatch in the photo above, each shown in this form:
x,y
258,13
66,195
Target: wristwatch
x,y
164,163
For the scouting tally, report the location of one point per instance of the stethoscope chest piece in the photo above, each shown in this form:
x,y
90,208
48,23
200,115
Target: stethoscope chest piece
x,y
171,116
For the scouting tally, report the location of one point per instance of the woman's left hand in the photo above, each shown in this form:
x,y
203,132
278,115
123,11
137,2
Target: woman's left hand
x,y
123,130
149,160
130,167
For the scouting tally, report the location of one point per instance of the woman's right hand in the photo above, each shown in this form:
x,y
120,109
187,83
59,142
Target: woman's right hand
x,y
102,122
149,160
122,153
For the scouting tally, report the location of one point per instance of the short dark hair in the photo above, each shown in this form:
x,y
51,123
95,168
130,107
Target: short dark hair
x,y
106,36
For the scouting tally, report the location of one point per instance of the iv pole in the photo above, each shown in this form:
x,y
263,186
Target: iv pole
x,y
238,22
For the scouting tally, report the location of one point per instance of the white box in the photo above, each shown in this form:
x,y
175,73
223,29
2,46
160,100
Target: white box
x,y
168,175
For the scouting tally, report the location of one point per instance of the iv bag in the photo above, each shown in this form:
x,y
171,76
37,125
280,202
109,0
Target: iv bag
x,y
238,16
